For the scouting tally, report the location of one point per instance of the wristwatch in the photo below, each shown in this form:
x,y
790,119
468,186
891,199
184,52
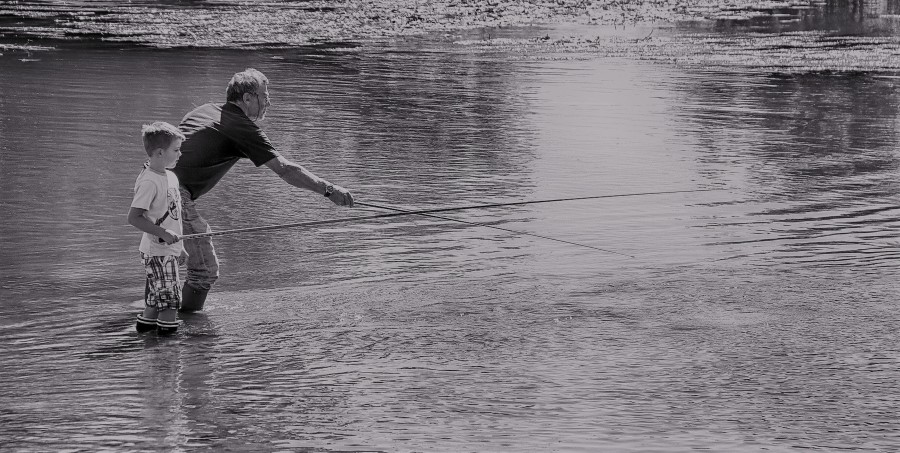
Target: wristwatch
x,y
329,189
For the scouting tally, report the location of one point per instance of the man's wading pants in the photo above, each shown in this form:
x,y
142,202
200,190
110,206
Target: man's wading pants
x,y
202,264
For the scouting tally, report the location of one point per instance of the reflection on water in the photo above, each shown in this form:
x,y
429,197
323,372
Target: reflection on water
x,y
845,17
824,168
821,36
759,316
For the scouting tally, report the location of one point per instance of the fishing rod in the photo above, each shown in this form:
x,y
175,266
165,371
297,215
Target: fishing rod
x,y
423,211
389,208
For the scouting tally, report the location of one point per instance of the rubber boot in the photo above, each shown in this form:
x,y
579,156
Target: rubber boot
x,y
192,299
144,324
166,327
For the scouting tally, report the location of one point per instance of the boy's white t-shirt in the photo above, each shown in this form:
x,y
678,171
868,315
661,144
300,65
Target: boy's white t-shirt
x,y
158,194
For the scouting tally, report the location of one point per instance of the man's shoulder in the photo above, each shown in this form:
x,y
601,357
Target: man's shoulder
x,y
226,116
208,106
209,109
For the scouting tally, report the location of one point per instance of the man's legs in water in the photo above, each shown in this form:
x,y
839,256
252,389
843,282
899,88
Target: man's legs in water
x,y
202,263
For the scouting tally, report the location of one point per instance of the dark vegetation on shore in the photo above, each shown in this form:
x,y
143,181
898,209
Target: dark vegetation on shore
x,y
782,36
236,24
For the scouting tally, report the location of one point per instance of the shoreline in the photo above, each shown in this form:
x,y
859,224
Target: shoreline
x,y
27,25
776,37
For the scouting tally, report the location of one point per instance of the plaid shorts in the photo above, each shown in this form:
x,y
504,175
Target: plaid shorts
x,y
162,279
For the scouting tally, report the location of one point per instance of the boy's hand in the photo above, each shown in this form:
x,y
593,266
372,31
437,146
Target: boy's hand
x,y
183,257
169,237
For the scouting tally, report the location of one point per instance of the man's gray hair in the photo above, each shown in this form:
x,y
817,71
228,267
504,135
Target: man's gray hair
x,y
246,81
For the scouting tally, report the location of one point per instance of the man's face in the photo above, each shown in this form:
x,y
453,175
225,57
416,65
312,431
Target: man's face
x,y
259,103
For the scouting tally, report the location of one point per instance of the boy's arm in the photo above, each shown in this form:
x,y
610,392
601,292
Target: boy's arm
x,y
137,219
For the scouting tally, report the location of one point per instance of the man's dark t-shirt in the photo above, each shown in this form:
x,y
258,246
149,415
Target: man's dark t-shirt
x,y
216,137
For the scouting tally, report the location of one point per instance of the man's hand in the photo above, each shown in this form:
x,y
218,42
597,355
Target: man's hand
x,y
341,197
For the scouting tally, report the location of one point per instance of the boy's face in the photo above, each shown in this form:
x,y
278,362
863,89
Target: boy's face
x,y
171,154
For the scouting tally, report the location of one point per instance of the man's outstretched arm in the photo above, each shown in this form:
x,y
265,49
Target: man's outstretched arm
x,y
298,176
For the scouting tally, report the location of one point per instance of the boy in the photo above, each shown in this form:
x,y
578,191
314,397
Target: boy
x,y
156,210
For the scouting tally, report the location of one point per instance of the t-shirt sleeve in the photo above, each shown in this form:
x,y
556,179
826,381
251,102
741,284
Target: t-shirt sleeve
x,y
144,193
254,144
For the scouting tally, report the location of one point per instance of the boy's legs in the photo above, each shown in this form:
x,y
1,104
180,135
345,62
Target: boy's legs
x,y
146,321
163,296
202,263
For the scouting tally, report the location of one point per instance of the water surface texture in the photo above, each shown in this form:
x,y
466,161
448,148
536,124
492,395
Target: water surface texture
x,y
759,316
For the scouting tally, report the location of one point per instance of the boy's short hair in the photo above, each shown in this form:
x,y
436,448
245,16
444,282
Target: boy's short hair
x,y
246,81
159,134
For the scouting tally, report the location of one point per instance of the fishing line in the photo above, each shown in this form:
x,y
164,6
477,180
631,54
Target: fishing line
x,y
554,200
388,208
423,211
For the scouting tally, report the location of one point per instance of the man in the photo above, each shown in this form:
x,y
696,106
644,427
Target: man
x,y
217,136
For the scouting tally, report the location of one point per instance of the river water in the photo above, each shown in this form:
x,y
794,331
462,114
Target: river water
x,y
758,315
